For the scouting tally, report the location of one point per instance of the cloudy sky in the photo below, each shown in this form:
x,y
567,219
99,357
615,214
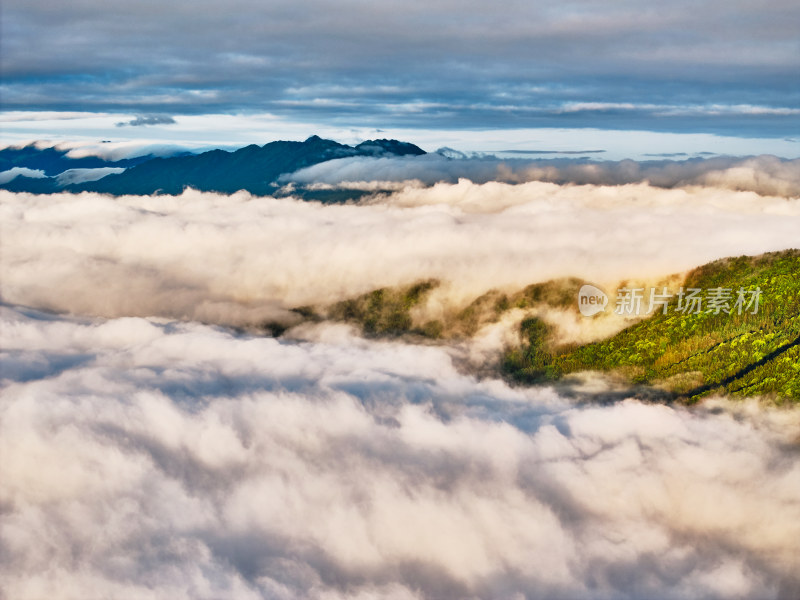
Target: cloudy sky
x,y
711,67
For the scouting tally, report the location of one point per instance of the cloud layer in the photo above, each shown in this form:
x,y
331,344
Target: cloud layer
x,y
766,175
240,260
151,459
13,173
626,65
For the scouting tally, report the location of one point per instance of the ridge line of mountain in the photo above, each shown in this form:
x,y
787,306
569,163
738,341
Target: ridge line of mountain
x,y
251,168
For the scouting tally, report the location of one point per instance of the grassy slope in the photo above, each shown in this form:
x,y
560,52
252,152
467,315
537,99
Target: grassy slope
x,y
695,354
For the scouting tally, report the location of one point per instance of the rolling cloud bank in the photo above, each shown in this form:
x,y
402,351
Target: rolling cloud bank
x,y
149,450
237,260
766,175
146,459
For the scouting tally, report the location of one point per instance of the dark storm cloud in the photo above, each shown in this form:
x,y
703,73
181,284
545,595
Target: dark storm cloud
x,y
678,66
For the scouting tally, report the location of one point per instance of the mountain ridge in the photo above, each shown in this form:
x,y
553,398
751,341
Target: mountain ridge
x,y
251,168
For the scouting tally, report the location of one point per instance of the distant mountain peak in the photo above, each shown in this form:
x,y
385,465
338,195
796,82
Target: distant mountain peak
x,y
389,147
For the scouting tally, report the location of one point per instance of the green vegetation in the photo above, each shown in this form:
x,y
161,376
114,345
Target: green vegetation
x,y
533,361
388,311
696,354
691,354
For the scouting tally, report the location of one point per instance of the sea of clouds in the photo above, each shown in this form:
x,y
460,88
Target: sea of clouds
x,y
240,260
147,458
149,450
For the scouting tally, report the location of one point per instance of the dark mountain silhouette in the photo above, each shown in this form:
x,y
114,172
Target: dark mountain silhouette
x,y
252,168
54,161
33,185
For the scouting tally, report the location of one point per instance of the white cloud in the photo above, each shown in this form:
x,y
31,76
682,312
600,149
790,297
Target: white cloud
x,y
14,172
240,260
151,459
71,176
767,175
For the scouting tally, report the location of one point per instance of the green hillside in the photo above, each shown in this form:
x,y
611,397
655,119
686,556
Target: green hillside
x,y
695,354
388,311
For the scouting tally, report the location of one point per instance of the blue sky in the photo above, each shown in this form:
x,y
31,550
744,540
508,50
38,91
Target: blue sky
x,y
712,67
